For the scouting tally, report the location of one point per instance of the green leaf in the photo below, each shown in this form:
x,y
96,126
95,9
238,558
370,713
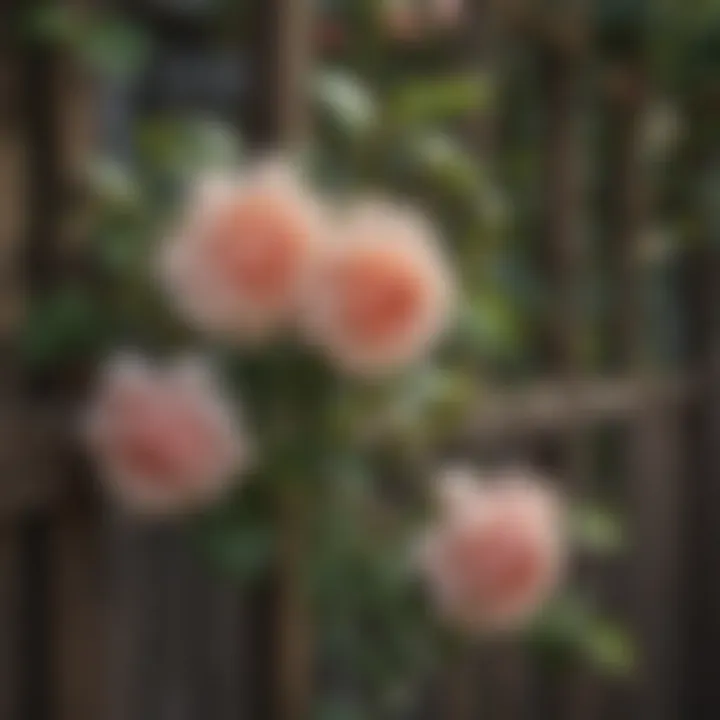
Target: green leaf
x,y
610,648
435,401
447,167
425,102
559,631
340,709
211,145
55,23
184,148
570,628
597,529
108,44
114,47
123,252
68,324
424,406
237,538
346,101
113,184
490,327
443,159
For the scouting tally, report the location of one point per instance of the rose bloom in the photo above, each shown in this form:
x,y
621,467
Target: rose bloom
x,y
403,20
235,266
447,12
164,438
411,20
381,293
496,553
331,35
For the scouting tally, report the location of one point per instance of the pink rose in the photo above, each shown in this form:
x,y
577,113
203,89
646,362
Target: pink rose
x,y
446,12
381,292
404,20
236,266
412,20
496,553
331,35
164,438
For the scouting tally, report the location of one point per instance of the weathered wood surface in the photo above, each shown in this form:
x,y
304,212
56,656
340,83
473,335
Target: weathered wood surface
x,y
279,117
651,469
552,406
117,621
700,553
11,658
40,433
78,618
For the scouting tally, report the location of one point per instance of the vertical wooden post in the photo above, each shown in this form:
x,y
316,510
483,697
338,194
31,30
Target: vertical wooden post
x,y
278,112
224,655
12,196
701,531
78,660
566,267
651,452
459,686
10,581
486,36
279,117
700,690
295,662
56,105
506,675
128,587
564,260
486,681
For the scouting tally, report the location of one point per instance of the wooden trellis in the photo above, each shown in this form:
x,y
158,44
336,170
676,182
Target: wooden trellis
x,y
84,632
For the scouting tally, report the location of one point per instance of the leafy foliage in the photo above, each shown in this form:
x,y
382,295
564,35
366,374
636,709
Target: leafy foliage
x,y
383,124
571,630
107,44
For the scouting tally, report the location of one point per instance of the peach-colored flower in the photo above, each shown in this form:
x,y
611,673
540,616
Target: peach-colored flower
x,y
381,292
403,20
496,552
446,12
164,438
331,35
236,266
412,20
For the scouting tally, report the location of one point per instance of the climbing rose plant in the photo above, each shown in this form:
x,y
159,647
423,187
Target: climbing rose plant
x,y
297,326
271,333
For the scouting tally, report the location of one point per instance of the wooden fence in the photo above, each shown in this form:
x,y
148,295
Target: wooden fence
x,y
103,620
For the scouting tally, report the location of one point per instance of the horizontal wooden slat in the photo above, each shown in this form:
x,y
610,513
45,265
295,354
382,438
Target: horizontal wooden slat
x,y
549,407
39,436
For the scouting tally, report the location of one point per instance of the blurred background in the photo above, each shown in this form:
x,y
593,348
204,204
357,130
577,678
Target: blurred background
x,y
571,152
